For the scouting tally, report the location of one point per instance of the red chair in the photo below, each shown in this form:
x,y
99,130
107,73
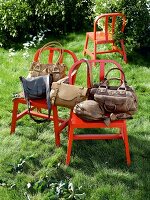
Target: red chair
x,y
108,23
38,105
76,123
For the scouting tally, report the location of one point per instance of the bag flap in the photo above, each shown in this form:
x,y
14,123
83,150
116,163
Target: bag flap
x,y
110,99
69,92
89,110
35,87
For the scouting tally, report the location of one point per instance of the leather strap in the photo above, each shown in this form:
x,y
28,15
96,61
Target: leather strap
x,y
53,44
106,83
115,68
89,70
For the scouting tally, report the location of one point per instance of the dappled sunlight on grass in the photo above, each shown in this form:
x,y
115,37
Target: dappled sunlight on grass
x,y
98,167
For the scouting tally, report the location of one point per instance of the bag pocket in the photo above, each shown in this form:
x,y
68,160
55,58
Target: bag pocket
x,y
67,95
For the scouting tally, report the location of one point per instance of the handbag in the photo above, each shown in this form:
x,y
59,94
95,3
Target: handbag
x,y
66,95
89,110
57,70
115,99
37,88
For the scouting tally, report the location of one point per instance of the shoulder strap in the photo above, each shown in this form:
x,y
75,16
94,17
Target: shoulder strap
x,y
89,71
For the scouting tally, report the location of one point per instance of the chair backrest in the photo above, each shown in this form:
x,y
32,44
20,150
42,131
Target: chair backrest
x,y
109,23
102,70
55,54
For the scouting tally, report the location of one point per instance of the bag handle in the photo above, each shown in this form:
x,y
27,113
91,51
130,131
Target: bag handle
x,y
106,82
115,68
38,121
53,44
89,71
74,69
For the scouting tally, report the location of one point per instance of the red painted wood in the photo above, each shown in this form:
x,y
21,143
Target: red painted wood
x,y
75,122
105,36
38,105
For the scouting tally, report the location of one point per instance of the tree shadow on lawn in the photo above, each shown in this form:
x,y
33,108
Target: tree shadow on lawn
x,y
107,160
140,57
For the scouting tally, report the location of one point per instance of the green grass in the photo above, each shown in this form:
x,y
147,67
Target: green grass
x,y
99,167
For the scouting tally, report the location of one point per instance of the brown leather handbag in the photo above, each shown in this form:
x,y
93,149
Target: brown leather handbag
x,y
57,70
89,110
66,95
115,99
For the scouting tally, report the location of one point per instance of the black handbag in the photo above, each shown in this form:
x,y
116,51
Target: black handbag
x,y
37,88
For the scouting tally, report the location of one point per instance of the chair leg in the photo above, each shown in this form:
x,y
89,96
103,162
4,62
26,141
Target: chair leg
x,y
123,50
95,49
14,116
70,140
86,44
56,126
126,144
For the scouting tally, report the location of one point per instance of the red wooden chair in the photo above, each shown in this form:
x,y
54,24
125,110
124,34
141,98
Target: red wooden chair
x,y
38,105
109,22
76,123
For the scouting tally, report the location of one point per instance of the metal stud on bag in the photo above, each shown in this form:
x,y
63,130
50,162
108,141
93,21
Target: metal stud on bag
x,y
116,99
39,69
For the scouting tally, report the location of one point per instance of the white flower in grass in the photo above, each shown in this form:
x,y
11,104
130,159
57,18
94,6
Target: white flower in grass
x,y
32,43
26,45
104,4
70,187
28,185
40,39
26,54
34,38
11,52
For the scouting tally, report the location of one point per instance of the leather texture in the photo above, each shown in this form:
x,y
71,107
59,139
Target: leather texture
x,y
57,70
115,99
67,95
89,110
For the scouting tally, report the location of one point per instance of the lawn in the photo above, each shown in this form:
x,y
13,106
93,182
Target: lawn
x,y
32,168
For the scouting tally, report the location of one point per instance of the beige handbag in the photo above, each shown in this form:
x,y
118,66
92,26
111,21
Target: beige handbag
x,y
57,70
66,95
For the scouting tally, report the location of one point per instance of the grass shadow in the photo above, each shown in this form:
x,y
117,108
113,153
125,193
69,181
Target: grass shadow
x,y
106,159
140,57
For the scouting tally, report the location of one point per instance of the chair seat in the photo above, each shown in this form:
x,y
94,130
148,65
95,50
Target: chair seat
x,y
38,106
112,24
75,123
39,103
115,130
101,37
78,122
